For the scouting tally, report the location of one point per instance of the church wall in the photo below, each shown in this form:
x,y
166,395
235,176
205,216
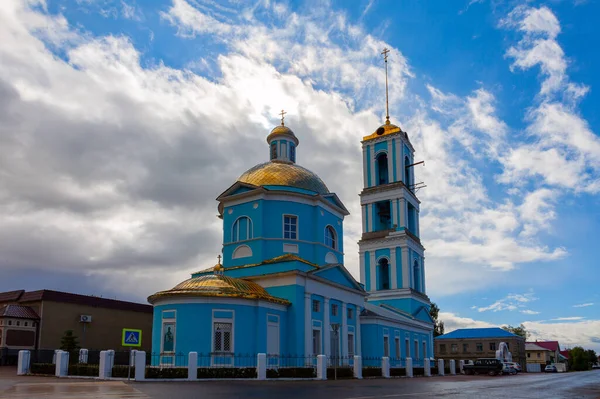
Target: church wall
x,y
269,269
256,215
367,161
293,340
372,340
394,160
193,325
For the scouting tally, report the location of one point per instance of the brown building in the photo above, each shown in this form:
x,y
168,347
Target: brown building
x,y
473,343
39,319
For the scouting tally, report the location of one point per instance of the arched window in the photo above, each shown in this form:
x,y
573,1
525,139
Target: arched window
x,y
406,171
330,237
416,277
242,229
382,169
384,274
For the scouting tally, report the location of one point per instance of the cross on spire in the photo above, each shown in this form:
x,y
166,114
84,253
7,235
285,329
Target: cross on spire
x,y
282,113
219,258
387,109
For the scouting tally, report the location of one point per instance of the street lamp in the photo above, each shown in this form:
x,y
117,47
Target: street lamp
x,y
335,328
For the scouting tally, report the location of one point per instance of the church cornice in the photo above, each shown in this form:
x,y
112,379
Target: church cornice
x,y
383,188
388,237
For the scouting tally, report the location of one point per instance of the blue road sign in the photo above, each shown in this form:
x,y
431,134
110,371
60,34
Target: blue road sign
x,y
131,337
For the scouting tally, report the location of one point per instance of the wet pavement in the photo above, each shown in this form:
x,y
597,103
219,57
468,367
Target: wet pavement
x,y
583,385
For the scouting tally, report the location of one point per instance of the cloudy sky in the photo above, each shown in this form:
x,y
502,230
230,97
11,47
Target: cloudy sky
x,y
122,121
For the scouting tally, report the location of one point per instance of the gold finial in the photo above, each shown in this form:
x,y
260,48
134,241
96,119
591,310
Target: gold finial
x,y
282,113
387,109
218,269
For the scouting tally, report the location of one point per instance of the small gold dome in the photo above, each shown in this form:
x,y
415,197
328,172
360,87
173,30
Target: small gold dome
x,y
282,130
385,129
283,174
218,285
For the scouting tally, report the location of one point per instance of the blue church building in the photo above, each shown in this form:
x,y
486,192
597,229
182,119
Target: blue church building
x,y
282,287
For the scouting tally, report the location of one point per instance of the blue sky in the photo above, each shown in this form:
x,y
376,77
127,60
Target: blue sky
x,y
121,122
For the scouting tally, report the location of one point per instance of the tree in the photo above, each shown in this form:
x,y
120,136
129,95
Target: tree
x,y
519,330
578,359
69,342
438,328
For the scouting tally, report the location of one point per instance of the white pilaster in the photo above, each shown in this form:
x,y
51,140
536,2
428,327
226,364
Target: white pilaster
x,y
308,325
372,161
395,212
402,203
326,327
370,213
344,330
365,160
394,269
357,340
423,275
405,269
373,271
364,218
399,161
361,260
390,162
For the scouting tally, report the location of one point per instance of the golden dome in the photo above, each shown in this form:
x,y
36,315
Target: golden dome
x,y
218,285
385,129
283,174
281,130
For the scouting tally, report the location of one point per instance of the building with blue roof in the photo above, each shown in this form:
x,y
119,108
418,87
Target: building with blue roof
x,y
281,287
474,343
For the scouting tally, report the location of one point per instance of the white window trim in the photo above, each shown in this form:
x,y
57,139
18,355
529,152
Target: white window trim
x,y
335,238
408,354
297,226
417,348
249,229
312,345
351,339
170,320
424,346
222,320
388,344
398,352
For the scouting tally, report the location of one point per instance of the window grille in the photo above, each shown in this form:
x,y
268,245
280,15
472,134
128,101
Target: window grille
x,y
334,309
350,344
222,337
330,238
350,313
315,305
290,227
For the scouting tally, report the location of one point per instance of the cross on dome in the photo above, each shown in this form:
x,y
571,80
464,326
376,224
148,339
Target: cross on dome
x,y
282,113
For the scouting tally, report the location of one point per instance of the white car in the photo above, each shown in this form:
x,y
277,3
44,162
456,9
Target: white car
x,y
508,368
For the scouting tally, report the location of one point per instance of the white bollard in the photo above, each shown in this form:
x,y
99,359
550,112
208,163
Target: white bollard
x,y
461,366
441,367
321,367
111,359
54,356
261,366
62,364
83,356
24,361
427,367
409,367
452,367
358,367
193,366
385,367
140,366
105,371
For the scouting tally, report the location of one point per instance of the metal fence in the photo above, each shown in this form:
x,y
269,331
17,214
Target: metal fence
x,y
165,360
289,361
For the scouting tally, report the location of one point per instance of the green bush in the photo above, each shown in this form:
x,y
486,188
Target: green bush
x,y
227,372
88,370
170,372
342,373
122,371
418,371
371,372
397,372
292,372
43,368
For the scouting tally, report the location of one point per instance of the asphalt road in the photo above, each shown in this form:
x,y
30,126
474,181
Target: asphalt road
x,y
525,386
582,385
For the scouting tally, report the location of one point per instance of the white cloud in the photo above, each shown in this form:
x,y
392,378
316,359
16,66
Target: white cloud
x,y
529,311
568,318
510,302
583,305
453,322
572,333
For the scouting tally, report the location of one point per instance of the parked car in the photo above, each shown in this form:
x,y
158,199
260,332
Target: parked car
x,y
596,366
508,368
516,366
550,369
484,366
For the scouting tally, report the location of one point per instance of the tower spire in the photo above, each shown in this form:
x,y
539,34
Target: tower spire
x,y
387,109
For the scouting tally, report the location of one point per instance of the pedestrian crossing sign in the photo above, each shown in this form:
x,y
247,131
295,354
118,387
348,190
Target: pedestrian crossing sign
x,y
131,337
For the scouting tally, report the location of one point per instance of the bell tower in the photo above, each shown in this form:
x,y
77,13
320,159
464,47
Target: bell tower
x,y
392,265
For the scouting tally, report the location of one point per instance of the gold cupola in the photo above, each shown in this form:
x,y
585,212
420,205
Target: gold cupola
x,y
217,286
282,143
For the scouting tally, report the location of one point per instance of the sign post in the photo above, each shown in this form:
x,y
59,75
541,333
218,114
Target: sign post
x,y
131,338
